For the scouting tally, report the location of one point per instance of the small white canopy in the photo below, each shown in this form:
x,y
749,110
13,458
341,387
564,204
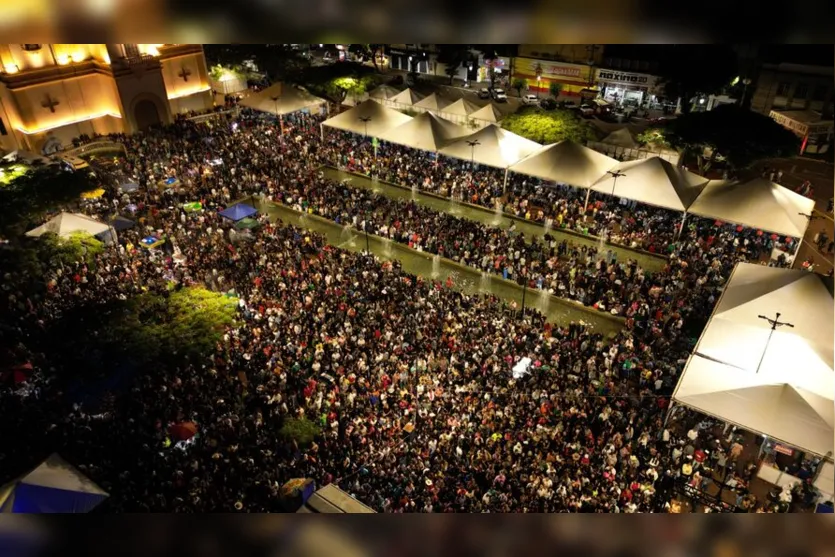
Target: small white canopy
x,y
621,138
382,119
426,132
432,102
488,113
792,396
566,162
289,99
758,203
67,223
384,92
496,147
407,97
653,181
462,107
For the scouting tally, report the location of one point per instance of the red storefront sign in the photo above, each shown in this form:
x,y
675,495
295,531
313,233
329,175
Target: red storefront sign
x,y
782,449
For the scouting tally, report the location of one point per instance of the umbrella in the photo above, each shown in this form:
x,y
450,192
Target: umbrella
x,y
18,374
246,223
183,431
193,206
93,194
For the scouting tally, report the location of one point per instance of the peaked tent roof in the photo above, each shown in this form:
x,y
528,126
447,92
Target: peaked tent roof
x,y
238,212
66,223
758,203
290,99
654,181
407,97
497,147
53,487
621,138
462,107
488,112
382,119
425,131
383,92
791,396
566,162
432,102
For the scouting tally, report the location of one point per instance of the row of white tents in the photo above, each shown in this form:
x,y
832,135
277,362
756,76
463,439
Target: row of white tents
x,y
461,111
654,181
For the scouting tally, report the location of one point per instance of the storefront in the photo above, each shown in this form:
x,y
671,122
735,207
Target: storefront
x,y
408,60
501,70
572,78
808,125
624,88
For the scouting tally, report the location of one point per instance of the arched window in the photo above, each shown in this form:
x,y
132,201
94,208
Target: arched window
x,y
31,47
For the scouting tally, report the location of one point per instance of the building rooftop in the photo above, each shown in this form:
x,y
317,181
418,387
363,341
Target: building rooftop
x,y
800,68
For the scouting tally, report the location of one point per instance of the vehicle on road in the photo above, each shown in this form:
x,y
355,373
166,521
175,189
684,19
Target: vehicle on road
x,y
548,104
587,110
530,99
483,94
499,95
567,104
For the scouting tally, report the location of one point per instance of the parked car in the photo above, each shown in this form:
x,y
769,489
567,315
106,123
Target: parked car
x,y
499,95
530,99
483,94
587,110
568,104
548,104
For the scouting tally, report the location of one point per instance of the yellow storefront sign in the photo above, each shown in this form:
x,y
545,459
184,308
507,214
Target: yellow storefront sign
x,y
572,77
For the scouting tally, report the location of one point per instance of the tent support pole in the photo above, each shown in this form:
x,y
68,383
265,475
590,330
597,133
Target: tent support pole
x,y
322,132
681,227
669,412
504,187
586,204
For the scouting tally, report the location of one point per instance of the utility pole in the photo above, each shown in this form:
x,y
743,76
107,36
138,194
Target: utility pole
x,y
774,324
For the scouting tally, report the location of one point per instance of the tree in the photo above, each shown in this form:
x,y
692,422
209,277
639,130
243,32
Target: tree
x,y
302,431
520,84
337,81
27,198
717,66
555,89
549,127
739,136
79,246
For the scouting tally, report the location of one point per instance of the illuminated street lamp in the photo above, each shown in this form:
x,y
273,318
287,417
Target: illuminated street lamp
x,y
538,81
365,120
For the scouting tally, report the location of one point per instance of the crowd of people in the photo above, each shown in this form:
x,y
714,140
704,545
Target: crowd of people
x,y
409,380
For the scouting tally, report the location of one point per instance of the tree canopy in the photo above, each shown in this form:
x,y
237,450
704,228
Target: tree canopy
x,y
549,126
30,196
337,81
689,69
738,135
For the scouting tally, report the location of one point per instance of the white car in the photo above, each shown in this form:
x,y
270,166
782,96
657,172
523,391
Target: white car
x,y
499,95
530,99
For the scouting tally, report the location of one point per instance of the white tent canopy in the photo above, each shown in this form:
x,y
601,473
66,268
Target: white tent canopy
x,y
426,132
462,107
792,396
432,102
382,119
621,138
289,99
407,97
384,92
488,113
67,223
653,181
566,162
758,203
496,147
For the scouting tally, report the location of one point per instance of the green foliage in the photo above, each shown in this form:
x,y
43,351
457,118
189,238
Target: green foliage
x,y
549,127
652,136
53,250
555,89
520,84
740,136
679,79
337,81
30,196
302,431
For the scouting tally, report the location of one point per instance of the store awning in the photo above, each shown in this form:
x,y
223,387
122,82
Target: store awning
x,y
758,203
381,119
778,383
653,181
568,163
495,147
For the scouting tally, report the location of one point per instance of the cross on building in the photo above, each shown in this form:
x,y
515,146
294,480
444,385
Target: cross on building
x,y
184,73
50,103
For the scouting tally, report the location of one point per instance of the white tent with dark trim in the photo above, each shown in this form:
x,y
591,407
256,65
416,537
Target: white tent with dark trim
x,y
462,107
66,224
488,113
758,203
566,162
282,98
433,103
495,147
621,138
780,382
426,132
382,119
653,181
407,97
384,92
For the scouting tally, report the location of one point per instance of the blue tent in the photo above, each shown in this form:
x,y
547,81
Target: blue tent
x,y
238,212
121,223
53,487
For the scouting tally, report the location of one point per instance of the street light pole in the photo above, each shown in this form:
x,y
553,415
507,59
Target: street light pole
x,y
524,291
365,120
472,143
367,246
774,324
277,115
615,174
